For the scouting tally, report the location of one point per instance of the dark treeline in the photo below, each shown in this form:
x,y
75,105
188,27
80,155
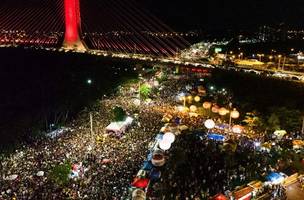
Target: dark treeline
x,y
39,88
261,92
277,102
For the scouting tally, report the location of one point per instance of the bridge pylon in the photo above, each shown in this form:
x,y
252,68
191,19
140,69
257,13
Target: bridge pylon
x,y
72,39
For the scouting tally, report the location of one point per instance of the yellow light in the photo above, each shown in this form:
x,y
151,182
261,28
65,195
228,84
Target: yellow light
x,y
193,108
215,109
223,111
206,105
234,114
197,98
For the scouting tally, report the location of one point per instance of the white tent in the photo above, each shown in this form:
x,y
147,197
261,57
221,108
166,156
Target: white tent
x,y
40,173
11,177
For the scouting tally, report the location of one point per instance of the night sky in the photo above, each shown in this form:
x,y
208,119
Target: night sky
x,y
184,15
223,14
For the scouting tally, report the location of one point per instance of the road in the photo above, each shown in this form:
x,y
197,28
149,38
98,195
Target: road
x,y
294,192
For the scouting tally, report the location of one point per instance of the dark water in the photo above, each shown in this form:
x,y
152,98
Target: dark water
x,y
39,88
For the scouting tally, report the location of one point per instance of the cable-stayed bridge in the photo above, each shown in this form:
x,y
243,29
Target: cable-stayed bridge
x,y
120,27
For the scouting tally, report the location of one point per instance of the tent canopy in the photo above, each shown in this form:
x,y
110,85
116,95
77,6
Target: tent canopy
x,y
147,165
274,177
242,192
216,137
140,182
219,197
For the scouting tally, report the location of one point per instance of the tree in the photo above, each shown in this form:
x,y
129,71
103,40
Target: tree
x,y
144,91
118,113
290,119
60,173
273,123
253,121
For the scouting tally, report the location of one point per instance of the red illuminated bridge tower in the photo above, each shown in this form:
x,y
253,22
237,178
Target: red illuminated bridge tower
x,y
72,34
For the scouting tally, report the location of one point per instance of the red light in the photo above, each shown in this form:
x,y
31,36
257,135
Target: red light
x,y
72,21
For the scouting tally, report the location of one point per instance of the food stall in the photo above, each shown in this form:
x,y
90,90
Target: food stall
x,y
297,144
257,187
245,193
219,197
275,178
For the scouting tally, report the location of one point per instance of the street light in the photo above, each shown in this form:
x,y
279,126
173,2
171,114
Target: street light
x,y
209,124
270,58
223,111
89,81
233,115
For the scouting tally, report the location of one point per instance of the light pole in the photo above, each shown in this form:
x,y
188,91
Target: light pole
x,y
279,56
139,77
302,131
284,60
234,114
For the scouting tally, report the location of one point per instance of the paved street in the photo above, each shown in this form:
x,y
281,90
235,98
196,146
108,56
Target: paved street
x,y
294,192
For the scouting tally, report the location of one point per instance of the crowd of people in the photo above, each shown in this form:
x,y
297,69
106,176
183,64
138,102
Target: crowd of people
x,y
101,180
197,167
201,168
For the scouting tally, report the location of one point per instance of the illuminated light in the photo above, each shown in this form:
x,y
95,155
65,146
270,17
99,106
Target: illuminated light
x,y
193,108
89,81
164,145
72,20
170,137
197,98
234,114
182,108
257,144
181,98
189,98
207,105
215,109
209,124
223,111
72,25
237,129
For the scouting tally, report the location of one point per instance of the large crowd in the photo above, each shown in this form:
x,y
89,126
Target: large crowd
x,y
201,168
101,180
197,168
